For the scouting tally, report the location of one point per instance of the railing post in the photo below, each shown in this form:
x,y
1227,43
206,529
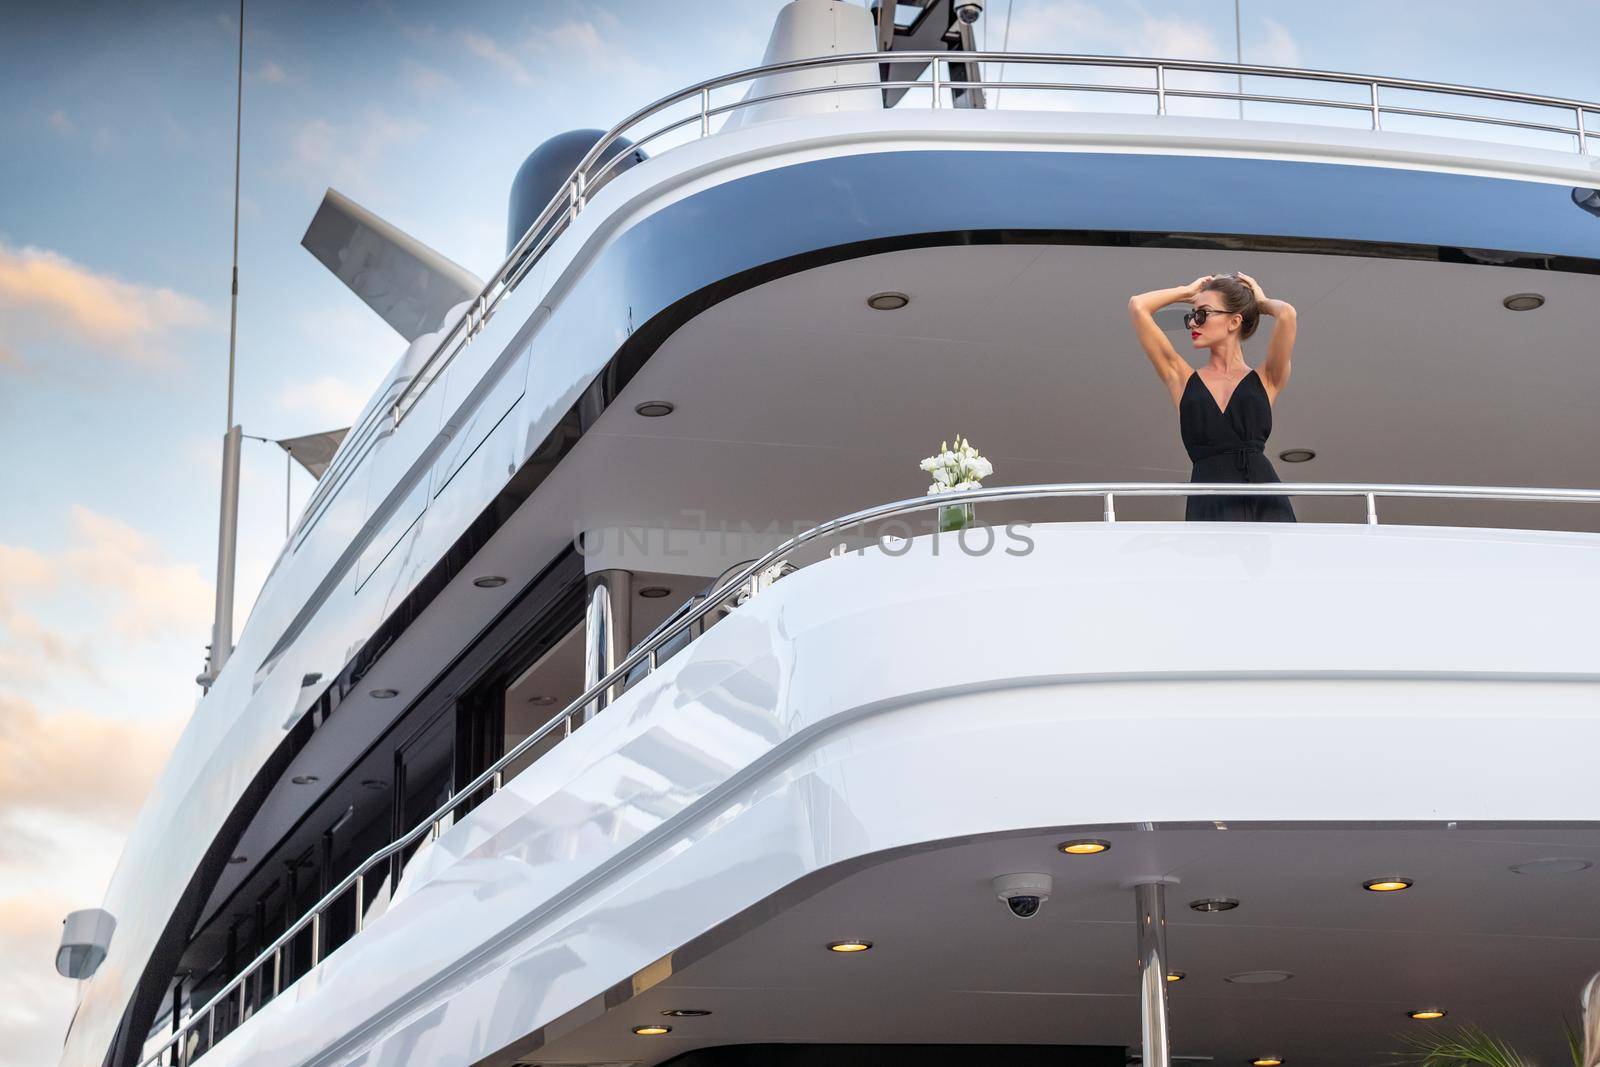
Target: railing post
x,y
580,190
1583,149
277,970
1161,89
361,898
933,74
316,938
705,112
1377,122
499,780
1372,509
1110,514
211,1029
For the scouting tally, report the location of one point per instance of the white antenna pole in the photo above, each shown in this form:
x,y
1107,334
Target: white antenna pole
x,y
1239,58
228,526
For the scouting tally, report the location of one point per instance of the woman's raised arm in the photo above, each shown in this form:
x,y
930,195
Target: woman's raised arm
x,y
1280,349
1169,366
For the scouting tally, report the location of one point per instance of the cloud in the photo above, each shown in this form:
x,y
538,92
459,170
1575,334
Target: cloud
x,y
325,154
150,594
271,72
484,48
424,80
1114,28
332,401
1277,48
75,762
62,124
44,294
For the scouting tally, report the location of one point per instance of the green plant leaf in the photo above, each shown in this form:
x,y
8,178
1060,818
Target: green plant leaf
x,y
1464,1046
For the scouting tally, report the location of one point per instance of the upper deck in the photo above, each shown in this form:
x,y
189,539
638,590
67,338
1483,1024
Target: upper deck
x,y
728,275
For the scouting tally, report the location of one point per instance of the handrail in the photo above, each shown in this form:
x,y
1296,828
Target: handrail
x,y
750,579
572,197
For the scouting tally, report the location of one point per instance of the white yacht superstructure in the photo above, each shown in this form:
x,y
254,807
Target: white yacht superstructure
x,y
614,678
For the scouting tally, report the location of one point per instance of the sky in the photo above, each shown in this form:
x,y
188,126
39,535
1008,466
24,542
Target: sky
x,y
116,186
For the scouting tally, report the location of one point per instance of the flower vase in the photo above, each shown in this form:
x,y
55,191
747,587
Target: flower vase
x,y
953,517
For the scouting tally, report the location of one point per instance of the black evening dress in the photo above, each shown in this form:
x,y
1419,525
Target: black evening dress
x,y
1230,446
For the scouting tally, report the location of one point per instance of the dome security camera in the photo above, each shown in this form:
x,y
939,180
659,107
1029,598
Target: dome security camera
x,y
1023,894
968,10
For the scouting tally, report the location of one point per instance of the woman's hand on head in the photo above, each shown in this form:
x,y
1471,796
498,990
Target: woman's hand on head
x,y
1255,286
1196,285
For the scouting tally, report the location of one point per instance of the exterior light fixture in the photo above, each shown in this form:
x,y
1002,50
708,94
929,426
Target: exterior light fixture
x,y
1523,302
1211,904
489,581
1566,865
384,694
238,859
1258,977
653,409
1386,885
1176,976
1297,455
852,945
304,779
1267,1061
542,700
1427,1013
887,301
1084,846
655,592
652,1030
374,784
685,1013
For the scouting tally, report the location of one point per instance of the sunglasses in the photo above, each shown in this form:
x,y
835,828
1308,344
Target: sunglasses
x,y
1198,316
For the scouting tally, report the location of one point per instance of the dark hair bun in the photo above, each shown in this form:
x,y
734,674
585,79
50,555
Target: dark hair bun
x,y
1237,298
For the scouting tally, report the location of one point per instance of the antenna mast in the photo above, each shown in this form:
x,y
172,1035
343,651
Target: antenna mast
x,y
228,526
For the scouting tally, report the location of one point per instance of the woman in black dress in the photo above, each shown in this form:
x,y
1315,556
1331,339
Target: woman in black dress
x,y
1224,408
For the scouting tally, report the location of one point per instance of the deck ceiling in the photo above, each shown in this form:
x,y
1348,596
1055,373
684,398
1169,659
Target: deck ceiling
x,y
795,401
1500,949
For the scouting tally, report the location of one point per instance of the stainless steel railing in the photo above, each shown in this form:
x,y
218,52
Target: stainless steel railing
x,y
184,1044
590,174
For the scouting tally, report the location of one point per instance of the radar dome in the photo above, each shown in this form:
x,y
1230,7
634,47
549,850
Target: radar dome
x,y
548,166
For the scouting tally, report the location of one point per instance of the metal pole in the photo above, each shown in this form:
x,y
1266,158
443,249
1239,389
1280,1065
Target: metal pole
x,y
1238,54
607,630
227,535
288,477
1150,907
227,555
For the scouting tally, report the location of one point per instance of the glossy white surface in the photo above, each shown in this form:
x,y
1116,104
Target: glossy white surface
x,y
413,492
869,703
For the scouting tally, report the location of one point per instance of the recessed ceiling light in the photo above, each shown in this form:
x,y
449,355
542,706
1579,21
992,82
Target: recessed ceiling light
x,y
238,859
1523,302
887,301
652,1030
1259,977
374,783
385,694
1427,1013
1084,846
304,779
1386,885
1297,455
1214,904
489,581
655,592
653,409
853,945
1267,1061
1175,976
685,1013
1565,865
542,700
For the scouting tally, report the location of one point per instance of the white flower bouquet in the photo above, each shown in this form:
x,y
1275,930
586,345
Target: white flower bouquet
x,y
955,469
